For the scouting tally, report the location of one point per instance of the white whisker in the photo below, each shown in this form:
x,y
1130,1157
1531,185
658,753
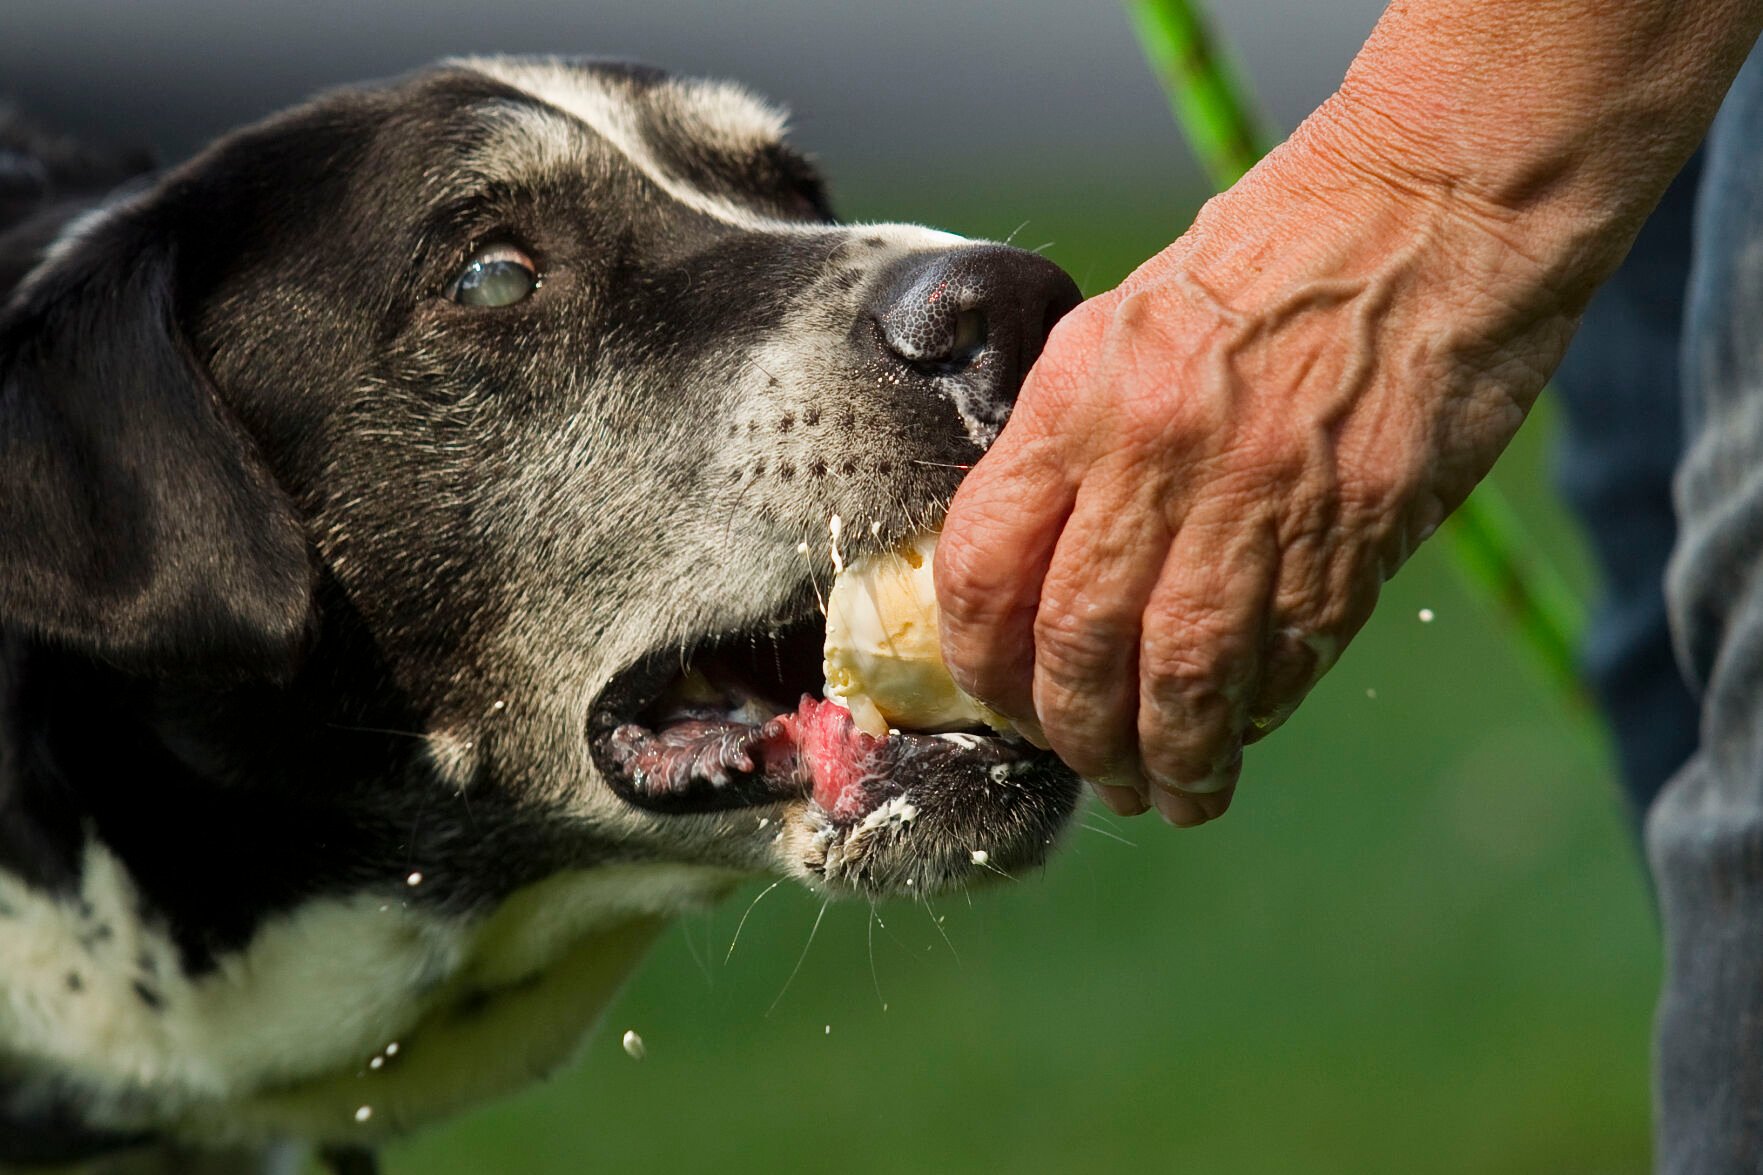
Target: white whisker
x,y
874,975
743,922
938,923
1110,835
685,929
803,958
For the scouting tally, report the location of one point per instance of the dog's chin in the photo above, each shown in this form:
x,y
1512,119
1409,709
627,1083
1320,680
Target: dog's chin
x,y
737,723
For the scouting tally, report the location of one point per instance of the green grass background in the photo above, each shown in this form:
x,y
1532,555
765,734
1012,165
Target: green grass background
x,y
1420,942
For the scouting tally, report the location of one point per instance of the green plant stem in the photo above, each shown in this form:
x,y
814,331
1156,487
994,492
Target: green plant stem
x,y
1501,563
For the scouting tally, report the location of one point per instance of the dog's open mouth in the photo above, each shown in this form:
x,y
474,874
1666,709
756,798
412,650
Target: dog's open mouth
x,y
739,722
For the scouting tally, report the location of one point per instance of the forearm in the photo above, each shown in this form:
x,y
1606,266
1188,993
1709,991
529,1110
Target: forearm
x,y
1558,121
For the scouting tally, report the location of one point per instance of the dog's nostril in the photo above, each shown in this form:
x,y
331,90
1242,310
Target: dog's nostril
x,y
981,311
928,329
970,337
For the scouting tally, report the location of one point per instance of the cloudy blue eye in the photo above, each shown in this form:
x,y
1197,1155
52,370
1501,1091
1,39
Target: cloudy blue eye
x,y
499,275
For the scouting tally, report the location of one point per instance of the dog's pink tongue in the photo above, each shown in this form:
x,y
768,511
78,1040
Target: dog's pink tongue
x,y
838,755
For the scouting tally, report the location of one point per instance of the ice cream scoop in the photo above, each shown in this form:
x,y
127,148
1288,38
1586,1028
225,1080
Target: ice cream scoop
x,y
882,659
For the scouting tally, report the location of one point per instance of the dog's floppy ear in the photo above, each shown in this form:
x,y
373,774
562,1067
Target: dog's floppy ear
x,y
138,523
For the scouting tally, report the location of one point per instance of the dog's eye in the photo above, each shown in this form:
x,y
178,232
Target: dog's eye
x,y
499,275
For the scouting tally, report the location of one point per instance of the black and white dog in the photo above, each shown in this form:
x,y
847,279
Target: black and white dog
x,y
367,485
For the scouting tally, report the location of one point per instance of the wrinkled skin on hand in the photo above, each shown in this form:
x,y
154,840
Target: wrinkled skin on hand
x,y
1214,467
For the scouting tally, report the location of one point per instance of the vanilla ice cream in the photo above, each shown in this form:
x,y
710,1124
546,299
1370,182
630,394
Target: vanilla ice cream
x,y
882,659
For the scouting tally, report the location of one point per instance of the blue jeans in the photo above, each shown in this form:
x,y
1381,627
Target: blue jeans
x,y
1619,393
1705,830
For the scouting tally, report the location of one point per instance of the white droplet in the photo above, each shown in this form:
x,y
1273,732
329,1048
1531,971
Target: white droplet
x,y
829,1029
1426,616
764,820
392,1049
875,527
980,856
633,1044
377,1063
500,705
364,1113
801,548
415,878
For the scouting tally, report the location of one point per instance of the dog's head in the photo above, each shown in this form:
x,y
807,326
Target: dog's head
x,y
480,436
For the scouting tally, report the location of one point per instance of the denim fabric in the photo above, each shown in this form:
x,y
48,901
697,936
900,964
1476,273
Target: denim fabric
x,y
1623,437
1705,832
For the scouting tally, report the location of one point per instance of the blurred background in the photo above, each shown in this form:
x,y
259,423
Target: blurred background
x,y
1421,941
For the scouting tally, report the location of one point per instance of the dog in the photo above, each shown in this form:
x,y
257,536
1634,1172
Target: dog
x,y
414,513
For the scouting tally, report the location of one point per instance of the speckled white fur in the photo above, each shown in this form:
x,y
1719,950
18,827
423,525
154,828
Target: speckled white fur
x,y
315,991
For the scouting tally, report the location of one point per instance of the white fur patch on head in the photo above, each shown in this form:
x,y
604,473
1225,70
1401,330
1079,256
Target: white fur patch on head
x,y
725,115
605,106
546,137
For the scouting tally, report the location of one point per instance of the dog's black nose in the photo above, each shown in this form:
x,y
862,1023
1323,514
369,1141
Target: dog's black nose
x,y
982,312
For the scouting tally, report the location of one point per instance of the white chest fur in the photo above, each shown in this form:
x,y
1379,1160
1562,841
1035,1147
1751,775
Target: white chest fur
x,y
282,1038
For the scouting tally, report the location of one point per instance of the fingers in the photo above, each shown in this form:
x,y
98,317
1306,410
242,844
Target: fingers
x,y
1325,595
1001,530
1293,661
1086,631
997,543
1200,658
1122,801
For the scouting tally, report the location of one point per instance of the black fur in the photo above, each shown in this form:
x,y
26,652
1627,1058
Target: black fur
x,y
280,517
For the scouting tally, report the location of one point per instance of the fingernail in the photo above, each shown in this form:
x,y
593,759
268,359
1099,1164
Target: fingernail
x,y
1262,725
1204,787
1177,809
1122,801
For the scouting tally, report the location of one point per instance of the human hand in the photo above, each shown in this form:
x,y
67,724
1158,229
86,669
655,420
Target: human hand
x,y
1214,467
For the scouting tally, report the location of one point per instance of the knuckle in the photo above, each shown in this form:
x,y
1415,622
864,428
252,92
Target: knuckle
x,y
1088,758
975,586
964,597
1204,756
1194,667
1089,732
1073,649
